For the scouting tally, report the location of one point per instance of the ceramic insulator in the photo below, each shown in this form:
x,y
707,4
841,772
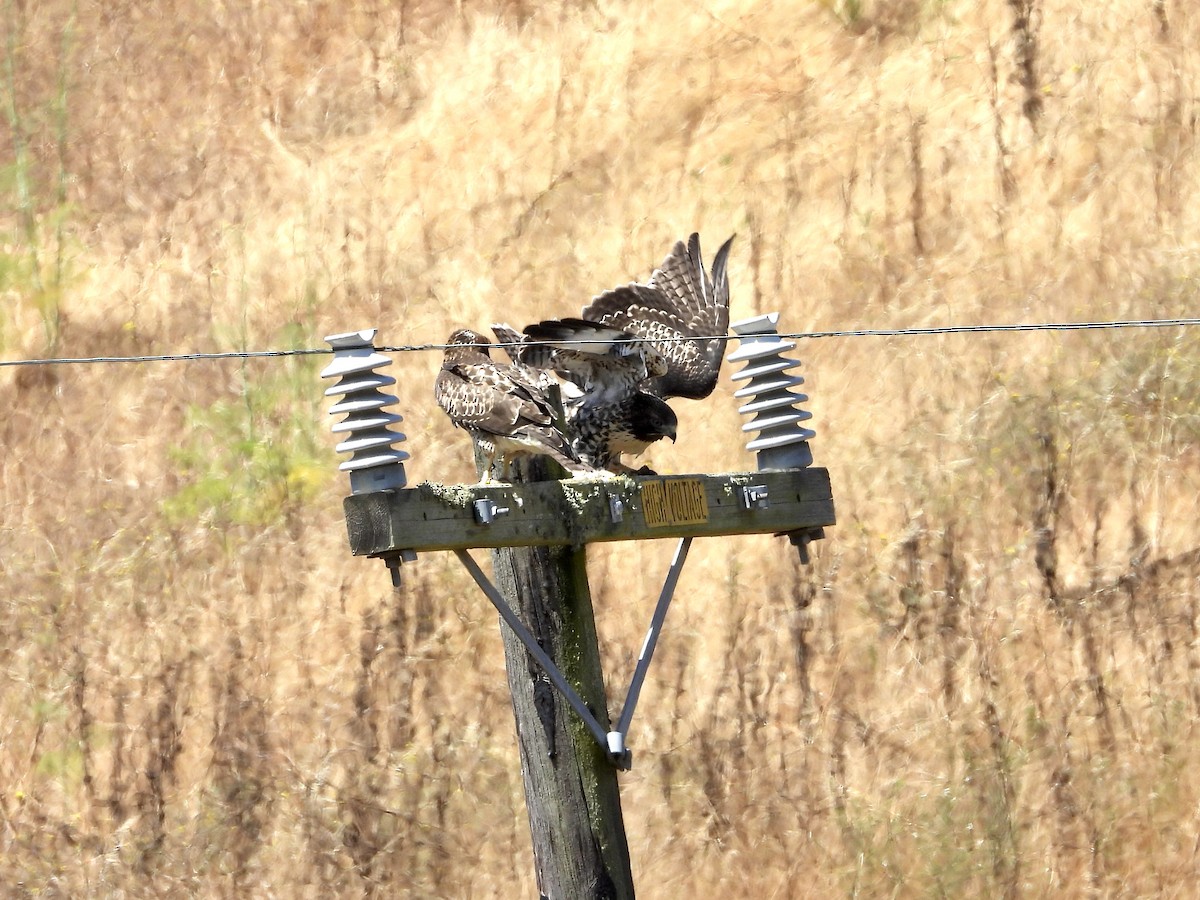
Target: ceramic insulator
x,y
775,410
374,464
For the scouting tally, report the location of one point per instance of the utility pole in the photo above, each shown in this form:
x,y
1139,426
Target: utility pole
x,y
537,529
571,791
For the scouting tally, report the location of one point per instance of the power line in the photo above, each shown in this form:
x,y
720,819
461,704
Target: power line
x,y
1180,322
165,357
982,329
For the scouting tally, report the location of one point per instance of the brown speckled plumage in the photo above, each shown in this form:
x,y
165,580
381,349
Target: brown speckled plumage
x,y
503,407
669,344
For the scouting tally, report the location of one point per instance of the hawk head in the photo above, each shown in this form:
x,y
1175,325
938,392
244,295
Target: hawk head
x,y
651,418
465,337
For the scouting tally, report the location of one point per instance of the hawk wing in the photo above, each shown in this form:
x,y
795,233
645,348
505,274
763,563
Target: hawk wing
x,y
503,407
682,312
486,396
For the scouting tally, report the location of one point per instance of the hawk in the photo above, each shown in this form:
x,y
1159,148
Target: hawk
x,y
505,408
635,346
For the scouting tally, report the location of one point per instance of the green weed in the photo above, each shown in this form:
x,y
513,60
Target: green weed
x,y
252,458
34,243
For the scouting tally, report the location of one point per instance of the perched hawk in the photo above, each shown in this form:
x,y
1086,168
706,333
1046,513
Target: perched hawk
x,y
504,408
633,347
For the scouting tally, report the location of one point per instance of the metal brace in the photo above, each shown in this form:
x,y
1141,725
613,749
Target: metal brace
x,y
611,742
535,650
643,663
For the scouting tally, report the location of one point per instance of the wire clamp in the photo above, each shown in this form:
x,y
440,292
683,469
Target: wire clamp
x,y
487,511
755,496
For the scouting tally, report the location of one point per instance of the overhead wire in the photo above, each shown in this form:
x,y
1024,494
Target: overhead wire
x,y
1176,322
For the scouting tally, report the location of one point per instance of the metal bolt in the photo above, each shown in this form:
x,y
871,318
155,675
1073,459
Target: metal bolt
x,y
395,560
616,509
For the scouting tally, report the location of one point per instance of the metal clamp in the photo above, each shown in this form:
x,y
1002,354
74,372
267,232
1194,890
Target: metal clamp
x,y
616,509
754,496
486,511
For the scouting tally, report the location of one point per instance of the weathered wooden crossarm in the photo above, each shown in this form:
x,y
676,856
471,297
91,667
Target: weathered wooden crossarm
x,y
586,510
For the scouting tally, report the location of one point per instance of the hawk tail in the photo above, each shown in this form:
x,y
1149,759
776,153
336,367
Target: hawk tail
x,y
519,349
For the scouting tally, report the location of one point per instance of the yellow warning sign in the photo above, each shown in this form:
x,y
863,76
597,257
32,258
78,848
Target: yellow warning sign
x,y
674,501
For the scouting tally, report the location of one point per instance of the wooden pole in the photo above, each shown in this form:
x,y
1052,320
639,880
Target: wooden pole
x,y
571,791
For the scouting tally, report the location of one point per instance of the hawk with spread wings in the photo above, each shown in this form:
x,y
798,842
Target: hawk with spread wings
x,y
635,346
504,408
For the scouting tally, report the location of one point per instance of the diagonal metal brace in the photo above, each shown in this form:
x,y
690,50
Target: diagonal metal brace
x,y
643,663
526,637
612,742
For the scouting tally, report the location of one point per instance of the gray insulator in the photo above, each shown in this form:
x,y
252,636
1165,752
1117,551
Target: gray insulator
x,y
374,463
775,409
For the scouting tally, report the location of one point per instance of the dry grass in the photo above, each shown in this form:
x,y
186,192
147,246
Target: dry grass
x,y
985,685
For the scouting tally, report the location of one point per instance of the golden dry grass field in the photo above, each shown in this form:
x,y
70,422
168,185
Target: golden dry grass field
x,y
986,684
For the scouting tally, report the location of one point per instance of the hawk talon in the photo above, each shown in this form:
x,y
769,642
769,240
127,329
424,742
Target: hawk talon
x,y
619,468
